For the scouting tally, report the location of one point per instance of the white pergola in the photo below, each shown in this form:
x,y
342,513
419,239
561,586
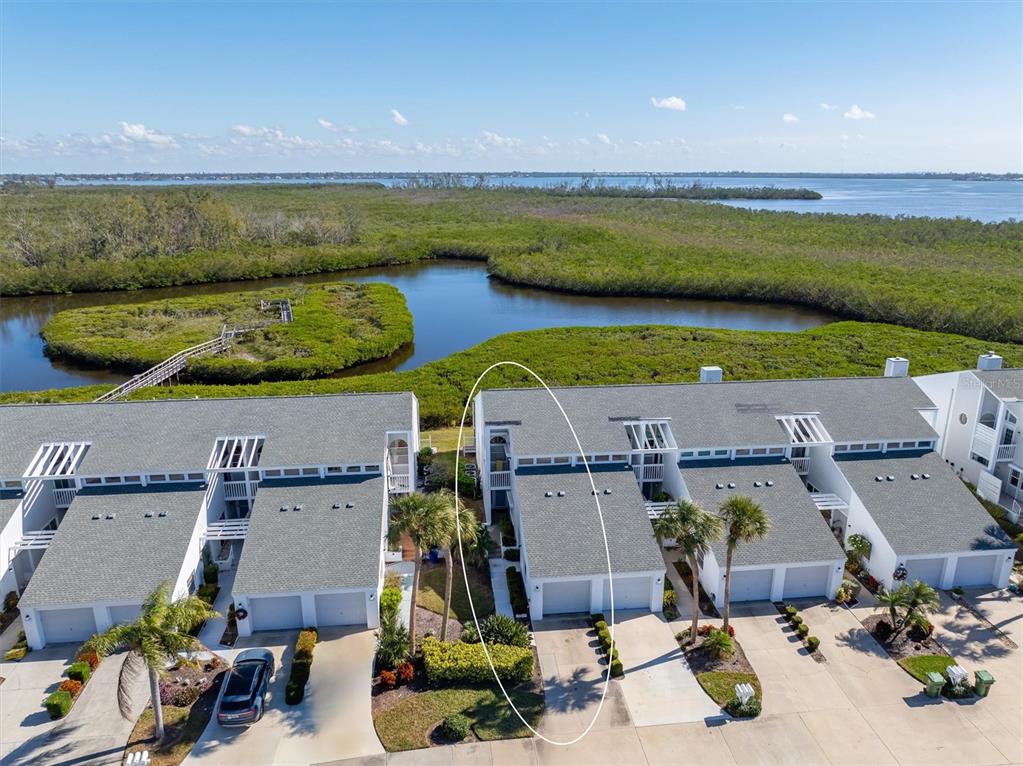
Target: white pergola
x,y
650,436
227,529
56,460
805,428
235,453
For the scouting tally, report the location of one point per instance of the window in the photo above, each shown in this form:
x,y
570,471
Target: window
x,y
561,459
333,469
176,477
132,479
373,469
157,477
841,447
196,476
112,480
543,461
601,458
51,524
978,459
743,452
93,480
526,461
271,474
925,445
12,485
353,469
292,472
703,453
760,450
872,446
686,453
310,471
776,451
721,452
619,458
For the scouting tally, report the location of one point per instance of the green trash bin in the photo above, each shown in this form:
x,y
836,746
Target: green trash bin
x,y
982,682
934,683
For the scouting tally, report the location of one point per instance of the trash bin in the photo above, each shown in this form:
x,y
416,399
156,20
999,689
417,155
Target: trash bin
x,y
434,556
934,683
982,682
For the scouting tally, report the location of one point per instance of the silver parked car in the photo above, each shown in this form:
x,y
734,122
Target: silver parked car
x,y
242,696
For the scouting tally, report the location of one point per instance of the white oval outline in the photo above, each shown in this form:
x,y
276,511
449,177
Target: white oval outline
x,y
603,531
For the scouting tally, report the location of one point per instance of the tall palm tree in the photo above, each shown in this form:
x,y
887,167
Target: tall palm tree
x,y
694,530
461,518
892,601
424,518
744,522
921,601
158,635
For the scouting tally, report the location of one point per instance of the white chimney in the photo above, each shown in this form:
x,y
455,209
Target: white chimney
x,y
710,374
896,367
989,361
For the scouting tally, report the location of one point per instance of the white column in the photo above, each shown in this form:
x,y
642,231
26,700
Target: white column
x,y
1003,570
244,626
837,572
597,585
103,621
309,610
372,609
535,593
949,571
778,584
657,592
33,629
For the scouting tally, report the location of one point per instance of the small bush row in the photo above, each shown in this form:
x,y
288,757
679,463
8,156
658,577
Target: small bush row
x,y
517,591
801,628
607,646
403,673
461,662
301,666
58,704
512,554
19,650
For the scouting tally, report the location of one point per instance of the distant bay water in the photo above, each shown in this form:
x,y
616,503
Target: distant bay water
x,y
982,200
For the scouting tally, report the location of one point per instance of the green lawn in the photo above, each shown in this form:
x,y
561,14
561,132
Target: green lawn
x,y
407,725
446,439
720,685
921,665
431,592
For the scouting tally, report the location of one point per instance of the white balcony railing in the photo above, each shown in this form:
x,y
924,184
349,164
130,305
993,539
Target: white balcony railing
x,y
984,439
62,497
801,464
651,472
240,490
500,480
654,510
1006,452
398,483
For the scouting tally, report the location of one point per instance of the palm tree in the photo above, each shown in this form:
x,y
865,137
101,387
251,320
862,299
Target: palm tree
x,y
694,530
424,518
459,518
158,635
744,522
893,601
921,600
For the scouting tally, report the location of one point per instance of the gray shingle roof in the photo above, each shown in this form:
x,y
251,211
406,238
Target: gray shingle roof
x,y
1006,384
318,547
179,434
562,535
798,531
936,515
121,559
9,501
729,414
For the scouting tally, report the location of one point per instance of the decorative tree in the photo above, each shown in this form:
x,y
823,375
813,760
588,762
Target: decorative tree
x,y
744,521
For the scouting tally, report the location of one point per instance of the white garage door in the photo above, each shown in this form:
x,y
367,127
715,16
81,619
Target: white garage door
x,y
802,582
119,615
340,609
566,596
976,570
751,585
925,570
276,612
630,593
61,626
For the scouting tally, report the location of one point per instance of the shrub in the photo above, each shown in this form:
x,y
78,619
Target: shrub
x,y
392,641
803,630
304,645
71,686
790,611
617,670
813,643
462,662
388,679
958,590
720,643
11,600
455,727
883,630
670,599
517,591
796,621
208,592
750,710
390,600
180,695
512,554
406,672
498,629
595,618
58,704
211,574
13,655
600,625
90,658
294,692
79,671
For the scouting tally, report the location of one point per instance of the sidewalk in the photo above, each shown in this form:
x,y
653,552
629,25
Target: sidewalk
x,y
499,584
212,631
405,570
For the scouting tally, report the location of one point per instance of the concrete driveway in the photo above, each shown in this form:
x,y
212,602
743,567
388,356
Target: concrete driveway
x,y
93,732
334,721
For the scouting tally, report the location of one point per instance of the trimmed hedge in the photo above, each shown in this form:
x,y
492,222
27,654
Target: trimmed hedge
x,y
512,554
813,643
517,591
58,704
455,727
467,663
79,671
301,666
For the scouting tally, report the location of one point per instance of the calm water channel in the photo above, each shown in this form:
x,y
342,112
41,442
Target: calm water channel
x,y
455,305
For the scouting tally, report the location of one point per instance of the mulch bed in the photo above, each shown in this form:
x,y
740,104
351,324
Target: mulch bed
x,y
703,661
910,643
428,624
7,617
706,605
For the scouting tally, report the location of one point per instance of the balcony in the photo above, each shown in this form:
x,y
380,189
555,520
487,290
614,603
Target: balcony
x,y
398,483
240,490
500,480
801,464
654,510
1006,452
62,497
650,472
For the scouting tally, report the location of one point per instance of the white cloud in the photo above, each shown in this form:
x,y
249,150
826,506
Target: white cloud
x,y
398,118
789,118
496,140
333,127
827,107
603,138
138,133
673,103
738,106
855,113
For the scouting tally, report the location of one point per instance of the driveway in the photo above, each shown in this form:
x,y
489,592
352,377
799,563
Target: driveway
x,y
333,722
93,732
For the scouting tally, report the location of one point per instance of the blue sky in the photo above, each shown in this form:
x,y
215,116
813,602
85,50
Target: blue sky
x,y
429,86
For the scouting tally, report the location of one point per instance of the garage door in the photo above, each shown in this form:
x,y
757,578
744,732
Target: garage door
x,y
751,585
340,609
976,570
630,593
802,582
925,570
61,626
120,615
276,612
565,597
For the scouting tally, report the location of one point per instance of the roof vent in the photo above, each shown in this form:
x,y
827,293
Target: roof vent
x,y
114,515
335,506
914,476
284,508
561,493
925,476
548,493
162,514
889,477
148,514
297,508
731,485
757,484
95,516
719,485
349,505
879,478
769,483
607,491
